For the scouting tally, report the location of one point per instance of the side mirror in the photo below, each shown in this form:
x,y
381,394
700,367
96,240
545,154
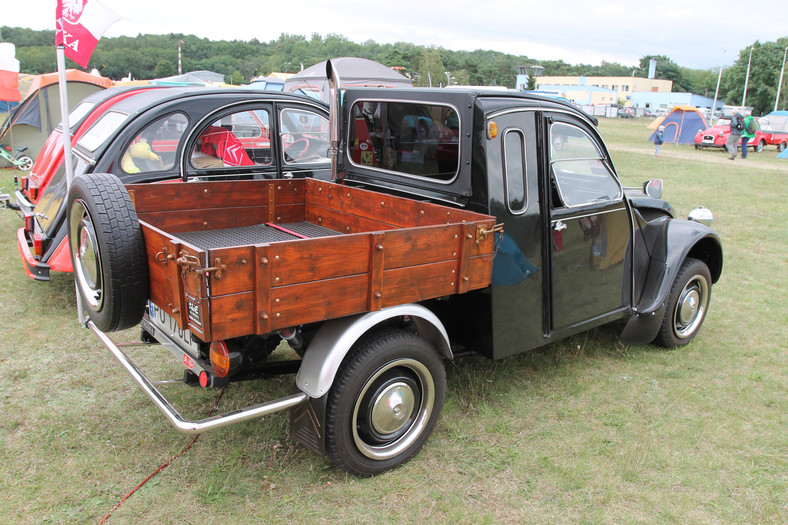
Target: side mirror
x,y
653,188
701,215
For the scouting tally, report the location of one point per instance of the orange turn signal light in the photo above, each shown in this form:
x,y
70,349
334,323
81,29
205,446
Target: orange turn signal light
x,y
220,358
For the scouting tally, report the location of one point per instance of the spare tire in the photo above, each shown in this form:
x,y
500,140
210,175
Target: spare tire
x,y
107,252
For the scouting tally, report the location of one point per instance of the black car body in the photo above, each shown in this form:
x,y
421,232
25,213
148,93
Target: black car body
x,y
184,133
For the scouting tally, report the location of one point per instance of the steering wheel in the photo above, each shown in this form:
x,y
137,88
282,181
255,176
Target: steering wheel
x,y
297,150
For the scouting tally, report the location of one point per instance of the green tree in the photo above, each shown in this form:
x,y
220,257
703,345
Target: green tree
x,y
431,71
666,69
165,69
763,78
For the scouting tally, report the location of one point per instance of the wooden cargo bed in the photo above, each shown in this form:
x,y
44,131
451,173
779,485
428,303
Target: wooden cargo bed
x,y
228,259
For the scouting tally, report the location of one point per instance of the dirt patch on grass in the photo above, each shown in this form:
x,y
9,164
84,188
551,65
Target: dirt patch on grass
x,y
709,156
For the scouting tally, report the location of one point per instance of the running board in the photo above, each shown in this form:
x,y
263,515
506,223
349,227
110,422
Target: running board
x,y
184,425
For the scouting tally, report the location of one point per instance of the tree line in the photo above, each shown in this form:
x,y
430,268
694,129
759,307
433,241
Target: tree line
x,y
156,56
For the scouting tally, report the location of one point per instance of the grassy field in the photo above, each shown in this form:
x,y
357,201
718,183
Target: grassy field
x,y
588,430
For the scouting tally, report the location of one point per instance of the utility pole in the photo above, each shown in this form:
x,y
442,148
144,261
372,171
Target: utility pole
x,y
717,91
180,71
746,81
780,83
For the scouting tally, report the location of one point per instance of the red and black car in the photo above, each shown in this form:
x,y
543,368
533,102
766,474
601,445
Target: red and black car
x,y
167,135
717,135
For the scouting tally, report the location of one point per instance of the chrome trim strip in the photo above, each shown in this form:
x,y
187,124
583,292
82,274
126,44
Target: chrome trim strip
x,y
184,425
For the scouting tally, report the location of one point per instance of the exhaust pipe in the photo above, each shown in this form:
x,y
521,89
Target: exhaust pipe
x,y
334,107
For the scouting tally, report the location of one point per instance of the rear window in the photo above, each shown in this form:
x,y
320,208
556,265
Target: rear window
x,y
415,139
102,130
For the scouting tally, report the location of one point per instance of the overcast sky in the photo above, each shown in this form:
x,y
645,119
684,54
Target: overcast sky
x,y
692,34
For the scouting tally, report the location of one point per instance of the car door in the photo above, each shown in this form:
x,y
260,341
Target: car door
x,y
590,229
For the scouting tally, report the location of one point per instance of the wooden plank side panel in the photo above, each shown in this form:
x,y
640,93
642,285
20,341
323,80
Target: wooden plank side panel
x,y
342,222
232,315
317,301
418,283
190,220
318,259
398,211
423,245
480,272
176,196
237,270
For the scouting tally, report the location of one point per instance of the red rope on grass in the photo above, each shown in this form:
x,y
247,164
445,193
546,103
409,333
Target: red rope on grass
x,y
163,465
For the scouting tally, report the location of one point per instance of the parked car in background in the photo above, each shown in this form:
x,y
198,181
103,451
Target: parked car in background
x,y
626,112
717,135
164,135
774,127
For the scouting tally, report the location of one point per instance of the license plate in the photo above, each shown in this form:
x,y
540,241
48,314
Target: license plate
x,y
166,323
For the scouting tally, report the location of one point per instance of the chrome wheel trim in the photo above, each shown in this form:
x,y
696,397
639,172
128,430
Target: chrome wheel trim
x,y
691,307
86,256
399,410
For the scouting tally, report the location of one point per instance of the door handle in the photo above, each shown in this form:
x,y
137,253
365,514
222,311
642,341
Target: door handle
x,y
559,226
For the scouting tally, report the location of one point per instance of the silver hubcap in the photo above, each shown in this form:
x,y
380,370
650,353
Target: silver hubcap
x,y
393,409
85,251
691,307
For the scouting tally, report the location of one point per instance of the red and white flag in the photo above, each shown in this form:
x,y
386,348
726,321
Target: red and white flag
x,y
78,26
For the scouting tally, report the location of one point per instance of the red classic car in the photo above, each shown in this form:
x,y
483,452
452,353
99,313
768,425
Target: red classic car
x,y
717,135
775,129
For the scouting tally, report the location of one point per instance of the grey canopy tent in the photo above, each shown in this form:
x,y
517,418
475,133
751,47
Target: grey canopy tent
x,y
353,72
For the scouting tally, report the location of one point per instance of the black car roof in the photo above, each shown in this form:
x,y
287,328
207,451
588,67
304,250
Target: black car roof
x,y
136,105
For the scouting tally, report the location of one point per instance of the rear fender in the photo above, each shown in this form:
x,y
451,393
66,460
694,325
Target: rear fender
x,y
335,338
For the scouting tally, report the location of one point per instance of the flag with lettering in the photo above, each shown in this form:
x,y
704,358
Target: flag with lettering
x,y
78,26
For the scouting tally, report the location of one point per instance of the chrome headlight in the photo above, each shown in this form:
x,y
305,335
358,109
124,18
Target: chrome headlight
x,y
701,215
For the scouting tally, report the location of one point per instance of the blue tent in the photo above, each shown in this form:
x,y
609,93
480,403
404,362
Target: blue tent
x,y
783,154
681,125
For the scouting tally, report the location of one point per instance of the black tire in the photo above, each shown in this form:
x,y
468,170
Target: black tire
x,y
107,252
781,146
688,304
385,402
759,147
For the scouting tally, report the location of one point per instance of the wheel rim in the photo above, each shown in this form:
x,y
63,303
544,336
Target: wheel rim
x,y
691,307
393,408
27,163
85,254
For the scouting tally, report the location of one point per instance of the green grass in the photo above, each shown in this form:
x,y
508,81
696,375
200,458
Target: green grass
x,y
587,430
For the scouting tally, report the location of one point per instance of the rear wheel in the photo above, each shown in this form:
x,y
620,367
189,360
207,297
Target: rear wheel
x,y
687,304
781,146
107,252
385,402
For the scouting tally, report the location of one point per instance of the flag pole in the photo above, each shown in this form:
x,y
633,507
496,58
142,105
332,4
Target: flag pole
x,y
61,74
67,163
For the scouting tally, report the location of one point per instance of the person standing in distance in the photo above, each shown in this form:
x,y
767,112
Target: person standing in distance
x,y
737,125
749,128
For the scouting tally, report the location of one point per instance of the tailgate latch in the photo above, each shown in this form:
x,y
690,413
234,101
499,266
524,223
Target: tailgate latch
x,y
190,263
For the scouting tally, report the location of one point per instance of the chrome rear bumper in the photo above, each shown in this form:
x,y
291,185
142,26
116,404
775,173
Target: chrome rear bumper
x,y
184,425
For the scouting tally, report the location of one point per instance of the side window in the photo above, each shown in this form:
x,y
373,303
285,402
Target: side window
x,y
235,140
156,146
410,138
515,170
304,136
580,174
